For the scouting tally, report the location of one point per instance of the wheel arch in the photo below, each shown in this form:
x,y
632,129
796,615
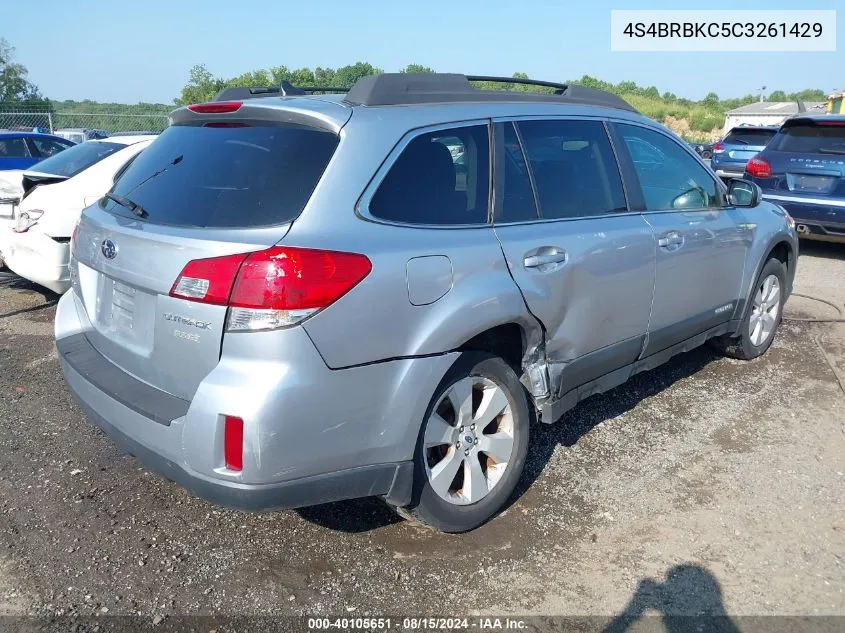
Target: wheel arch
x,y
782,248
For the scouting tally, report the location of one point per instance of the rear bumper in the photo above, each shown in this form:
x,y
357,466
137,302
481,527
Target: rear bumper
x,y
816,219
389,480
311,434
729,171
37,257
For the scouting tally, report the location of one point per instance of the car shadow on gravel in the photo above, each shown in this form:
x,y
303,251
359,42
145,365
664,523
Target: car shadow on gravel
x,y
10,280
595,410
826,250
356,515
369,514
689,599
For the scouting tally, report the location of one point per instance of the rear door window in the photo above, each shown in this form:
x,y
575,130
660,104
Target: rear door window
x,y
746,136
216,177
13,148
811,138
76,158
670,178
440,178
574,168
518,203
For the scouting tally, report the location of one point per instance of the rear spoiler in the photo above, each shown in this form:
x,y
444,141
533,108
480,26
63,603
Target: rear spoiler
x,y
823,120
286,89
32,179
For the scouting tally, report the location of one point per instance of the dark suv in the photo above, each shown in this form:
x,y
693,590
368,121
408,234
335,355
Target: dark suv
x,y
738,147
803,170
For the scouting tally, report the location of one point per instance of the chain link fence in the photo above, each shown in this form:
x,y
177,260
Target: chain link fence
x,y
142,119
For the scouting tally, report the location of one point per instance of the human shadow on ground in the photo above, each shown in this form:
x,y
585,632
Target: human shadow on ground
x,y
688,600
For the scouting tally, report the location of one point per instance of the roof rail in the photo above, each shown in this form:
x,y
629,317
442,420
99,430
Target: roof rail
x,y
424,88
243,92
285,90
289,90
559,88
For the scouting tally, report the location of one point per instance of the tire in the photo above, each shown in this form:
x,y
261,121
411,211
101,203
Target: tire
x,y
482,482
752,342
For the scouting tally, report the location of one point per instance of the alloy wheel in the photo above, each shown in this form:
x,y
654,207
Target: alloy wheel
x,y
765,310
468,440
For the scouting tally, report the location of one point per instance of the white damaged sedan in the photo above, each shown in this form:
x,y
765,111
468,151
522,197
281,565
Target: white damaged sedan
x,y
35,241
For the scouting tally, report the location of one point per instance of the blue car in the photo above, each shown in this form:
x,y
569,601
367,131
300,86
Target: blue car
x,y
803,170
21,150
738,147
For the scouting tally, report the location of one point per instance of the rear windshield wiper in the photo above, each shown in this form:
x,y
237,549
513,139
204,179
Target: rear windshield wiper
x,y
137,209
830,150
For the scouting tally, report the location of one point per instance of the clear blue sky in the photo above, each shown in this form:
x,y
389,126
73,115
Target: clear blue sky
x,y
126,52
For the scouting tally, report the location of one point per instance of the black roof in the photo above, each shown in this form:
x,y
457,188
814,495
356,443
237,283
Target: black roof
x,y
429,88
808,119
422,88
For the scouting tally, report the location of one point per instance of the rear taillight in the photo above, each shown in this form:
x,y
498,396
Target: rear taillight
x,y
758,167
215,107
233,442
718,148
273,288
208,280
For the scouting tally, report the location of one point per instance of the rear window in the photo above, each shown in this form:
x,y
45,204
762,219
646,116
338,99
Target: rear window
x,y
744,136
77,158
811,139
214,177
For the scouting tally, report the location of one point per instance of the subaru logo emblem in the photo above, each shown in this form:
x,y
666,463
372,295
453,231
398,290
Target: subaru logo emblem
x,y
109,249
468,439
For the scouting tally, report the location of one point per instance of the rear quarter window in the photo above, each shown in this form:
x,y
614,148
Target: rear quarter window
x,y
440,178
219,177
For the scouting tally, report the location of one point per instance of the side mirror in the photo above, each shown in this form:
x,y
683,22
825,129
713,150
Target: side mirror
x,y
743,193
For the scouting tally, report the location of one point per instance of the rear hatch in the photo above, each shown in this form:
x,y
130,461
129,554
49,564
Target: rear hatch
x,y
807,159
742,144
217,182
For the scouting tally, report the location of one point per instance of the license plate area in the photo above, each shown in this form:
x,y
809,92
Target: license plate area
x,y
811,183
124,315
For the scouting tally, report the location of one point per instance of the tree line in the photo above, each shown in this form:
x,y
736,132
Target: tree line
x,y
704,115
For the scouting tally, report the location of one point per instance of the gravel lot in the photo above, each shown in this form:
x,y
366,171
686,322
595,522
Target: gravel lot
x,y
708,485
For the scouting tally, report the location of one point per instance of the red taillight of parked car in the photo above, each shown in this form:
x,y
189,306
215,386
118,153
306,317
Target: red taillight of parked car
x,y
758,167
273,288
718,148
233,442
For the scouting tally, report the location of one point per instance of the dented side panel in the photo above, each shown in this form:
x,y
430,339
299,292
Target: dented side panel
x,y
594,305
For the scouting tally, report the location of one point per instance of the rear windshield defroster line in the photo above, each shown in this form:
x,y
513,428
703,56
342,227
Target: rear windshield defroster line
x,y
219,177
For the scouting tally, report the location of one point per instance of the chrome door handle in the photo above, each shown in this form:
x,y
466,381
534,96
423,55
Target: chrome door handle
x,y
672,238
543,256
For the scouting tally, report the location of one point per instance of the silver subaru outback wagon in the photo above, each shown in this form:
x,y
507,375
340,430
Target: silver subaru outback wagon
x,y
293,298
